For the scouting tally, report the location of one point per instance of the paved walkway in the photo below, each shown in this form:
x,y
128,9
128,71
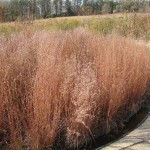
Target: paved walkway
x,y
139,139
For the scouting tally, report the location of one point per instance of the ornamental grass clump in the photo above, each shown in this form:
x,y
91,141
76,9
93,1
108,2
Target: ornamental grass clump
x,y
63,89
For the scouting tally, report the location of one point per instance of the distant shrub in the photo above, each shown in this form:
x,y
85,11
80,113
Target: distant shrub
x,y
67,24
102,26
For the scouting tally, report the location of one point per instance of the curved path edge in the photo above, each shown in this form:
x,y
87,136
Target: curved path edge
x,y
138,139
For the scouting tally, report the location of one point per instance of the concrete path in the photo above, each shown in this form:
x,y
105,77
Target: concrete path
x,y
139,139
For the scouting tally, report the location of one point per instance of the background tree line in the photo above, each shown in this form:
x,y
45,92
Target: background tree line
x,y
32,9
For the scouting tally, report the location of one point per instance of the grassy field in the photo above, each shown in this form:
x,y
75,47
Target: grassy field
x,y
66,81
135,25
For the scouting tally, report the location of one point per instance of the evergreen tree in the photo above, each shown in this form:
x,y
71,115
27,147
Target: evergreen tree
x,y
68,8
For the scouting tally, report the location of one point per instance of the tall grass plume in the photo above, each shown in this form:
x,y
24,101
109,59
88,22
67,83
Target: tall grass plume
x,y
64,89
